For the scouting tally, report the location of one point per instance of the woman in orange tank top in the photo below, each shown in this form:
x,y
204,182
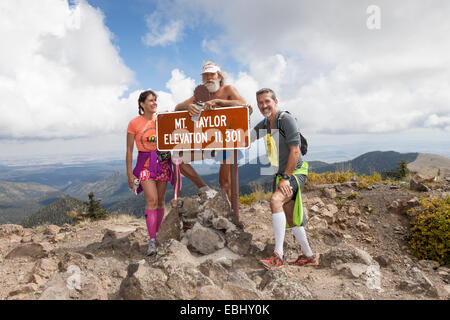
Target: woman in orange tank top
x,y
151,171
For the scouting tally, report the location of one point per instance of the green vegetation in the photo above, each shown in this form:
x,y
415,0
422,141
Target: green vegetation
x,y
430,227
57,213
363,181
93,211
257,194
400,172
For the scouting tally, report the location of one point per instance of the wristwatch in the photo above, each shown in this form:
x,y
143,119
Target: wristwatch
x,y
285,176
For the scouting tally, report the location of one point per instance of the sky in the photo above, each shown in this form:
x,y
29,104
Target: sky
x,y
358,75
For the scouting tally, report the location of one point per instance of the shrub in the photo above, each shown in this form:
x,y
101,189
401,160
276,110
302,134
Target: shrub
x,y
93,210
430,230
400,172
257,194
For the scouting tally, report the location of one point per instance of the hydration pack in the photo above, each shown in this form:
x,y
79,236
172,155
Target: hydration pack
x,y
303,142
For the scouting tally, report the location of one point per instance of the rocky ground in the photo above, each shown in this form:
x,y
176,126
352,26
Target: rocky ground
x,y
359,236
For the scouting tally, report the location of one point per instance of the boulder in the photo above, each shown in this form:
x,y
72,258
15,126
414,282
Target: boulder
x,y
239,241
282,287
9,229
57,288
25,289
172,254
204,240
345,254
329,193
353,211
224,256
144,282
212,292
316,223
190,207
215,271
51,230
316,201
184,282
170,227
418,283
416,185
29,250
220,205
222,223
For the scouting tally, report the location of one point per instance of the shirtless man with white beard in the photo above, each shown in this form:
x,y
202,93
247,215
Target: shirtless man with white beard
x,y
222,95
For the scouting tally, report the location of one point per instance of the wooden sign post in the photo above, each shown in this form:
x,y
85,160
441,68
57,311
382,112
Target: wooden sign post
x,y
219,129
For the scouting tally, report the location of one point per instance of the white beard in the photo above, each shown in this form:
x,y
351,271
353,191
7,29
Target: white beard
x,y
212,85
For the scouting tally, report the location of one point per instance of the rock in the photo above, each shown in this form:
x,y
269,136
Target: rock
x,y
239,241
383,261
144,282
190,208
31,250
120,241
224,256
328,216
240,278
91,288
185,282
421,177
418,283
315,209
9,229
418,186
42,270
220,205
345,254
329,193
215,271
222,223
429,264
26,239
353,211
170,227
172,254
276,282
239,292
362,226
56,288
352,270
444,292
316,201
316,223
330,237
51,230
28,288
212,292
204,240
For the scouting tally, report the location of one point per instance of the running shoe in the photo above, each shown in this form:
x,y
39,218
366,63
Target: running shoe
x,y
273,262
302,260
151,247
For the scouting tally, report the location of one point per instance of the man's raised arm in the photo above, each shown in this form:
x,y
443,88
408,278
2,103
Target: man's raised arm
x,y
184,105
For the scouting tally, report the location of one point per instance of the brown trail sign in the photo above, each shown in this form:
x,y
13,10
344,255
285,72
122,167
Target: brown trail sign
x,y
219,129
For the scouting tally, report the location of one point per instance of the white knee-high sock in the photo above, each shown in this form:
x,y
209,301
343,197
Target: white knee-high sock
x,y
300,235
279,229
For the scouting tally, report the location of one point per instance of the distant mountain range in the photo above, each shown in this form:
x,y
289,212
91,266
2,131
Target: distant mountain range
x,y
19,197
57,213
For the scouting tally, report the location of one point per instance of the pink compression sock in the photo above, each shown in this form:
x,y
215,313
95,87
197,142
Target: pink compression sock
x,y
160,213
151,218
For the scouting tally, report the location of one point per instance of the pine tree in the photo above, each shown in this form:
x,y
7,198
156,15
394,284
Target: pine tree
x,y
94,209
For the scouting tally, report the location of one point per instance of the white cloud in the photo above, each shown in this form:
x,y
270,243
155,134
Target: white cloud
x,y
162,35
329,69
60,75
